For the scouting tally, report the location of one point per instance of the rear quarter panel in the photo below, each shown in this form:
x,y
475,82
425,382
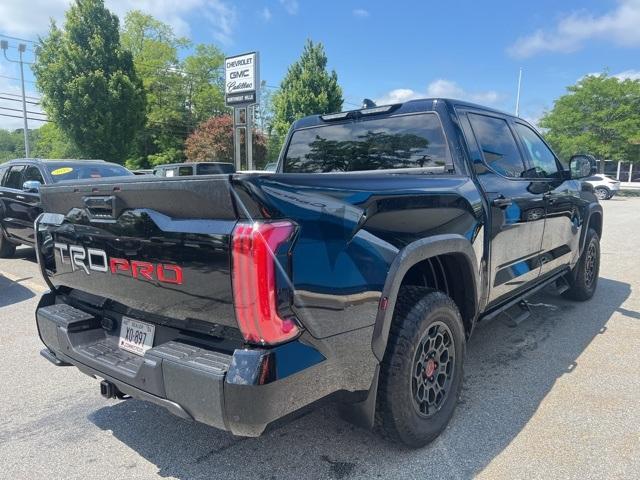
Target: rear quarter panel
x,y
351,227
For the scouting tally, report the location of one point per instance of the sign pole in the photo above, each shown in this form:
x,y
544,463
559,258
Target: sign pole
x,y
248,138
242,88
237,140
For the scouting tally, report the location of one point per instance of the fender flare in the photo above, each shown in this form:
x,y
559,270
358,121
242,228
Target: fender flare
x,y
592,208
409,256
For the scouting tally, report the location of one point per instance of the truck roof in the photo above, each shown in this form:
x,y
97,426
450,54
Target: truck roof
x,y
410,106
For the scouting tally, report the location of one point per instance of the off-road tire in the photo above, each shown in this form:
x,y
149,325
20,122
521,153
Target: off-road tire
x,y
7,249
398,417
583,280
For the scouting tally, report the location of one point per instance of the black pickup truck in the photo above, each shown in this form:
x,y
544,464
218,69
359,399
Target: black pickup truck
x,y
357,271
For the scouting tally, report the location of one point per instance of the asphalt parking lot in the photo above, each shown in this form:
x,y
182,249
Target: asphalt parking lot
x,y
556,397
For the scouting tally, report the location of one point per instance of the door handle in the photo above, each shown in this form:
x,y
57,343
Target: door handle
x,y
20,197
550,198
502,202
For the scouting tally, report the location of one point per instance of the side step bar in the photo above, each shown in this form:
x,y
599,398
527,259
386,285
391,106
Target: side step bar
x,y
494,312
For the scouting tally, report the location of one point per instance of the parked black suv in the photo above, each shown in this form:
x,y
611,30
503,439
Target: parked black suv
x,y
20,182
357,270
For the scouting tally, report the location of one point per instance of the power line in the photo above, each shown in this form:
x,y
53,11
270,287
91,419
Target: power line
x,y
18,95
15,78
19,110
19,100
18,38
29,118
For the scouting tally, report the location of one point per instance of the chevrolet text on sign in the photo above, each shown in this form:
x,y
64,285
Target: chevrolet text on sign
x,y
241,78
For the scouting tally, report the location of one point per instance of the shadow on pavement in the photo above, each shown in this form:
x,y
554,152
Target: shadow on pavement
x,y
509,371
25,253
12,292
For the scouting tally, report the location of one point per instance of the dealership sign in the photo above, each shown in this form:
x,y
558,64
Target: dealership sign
x,y
241,74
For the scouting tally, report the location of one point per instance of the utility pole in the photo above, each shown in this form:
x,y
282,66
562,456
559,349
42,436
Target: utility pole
x,y
518,94
4,44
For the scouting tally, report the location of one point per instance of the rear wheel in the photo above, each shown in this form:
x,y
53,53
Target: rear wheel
x,y
584,278
7,249
421,373
602,193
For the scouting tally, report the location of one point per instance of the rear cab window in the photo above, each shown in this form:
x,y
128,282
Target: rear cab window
x,y
414,141
208,169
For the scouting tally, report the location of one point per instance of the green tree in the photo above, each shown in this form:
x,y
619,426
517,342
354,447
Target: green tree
x,y
155,47
49,141
11,145
599,115
180,93
308,88
89,85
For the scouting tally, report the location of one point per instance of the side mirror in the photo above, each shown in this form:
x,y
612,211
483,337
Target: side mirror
x,y
31,186
582,166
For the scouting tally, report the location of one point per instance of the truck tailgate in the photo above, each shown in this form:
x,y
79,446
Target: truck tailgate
x,y
157,247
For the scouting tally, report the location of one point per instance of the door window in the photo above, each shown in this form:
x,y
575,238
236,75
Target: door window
x,y
32,173
498,145
13,178
541,157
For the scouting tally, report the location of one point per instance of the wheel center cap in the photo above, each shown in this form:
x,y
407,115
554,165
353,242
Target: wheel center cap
x,y
430,368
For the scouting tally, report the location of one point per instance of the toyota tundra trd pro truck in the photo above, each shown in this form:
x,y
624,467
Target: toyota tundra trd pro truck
x,y
356,271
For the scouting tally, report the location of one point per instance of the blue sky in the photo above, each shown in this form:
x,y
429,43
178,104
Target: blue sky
x,y
392,51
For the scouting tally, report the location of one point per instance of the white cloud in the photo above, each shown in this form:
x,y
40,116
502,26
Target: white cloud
x,y
291,6
266,14
624,75
619,26
628,75
441,88
29,19
360,13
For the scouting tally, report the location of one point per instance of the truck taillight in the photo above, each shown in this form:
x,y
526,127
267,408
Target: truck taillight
x,y
254,248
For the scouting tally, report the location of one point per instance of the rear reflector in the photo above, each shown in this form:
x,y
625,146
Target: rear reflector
x,y
254,282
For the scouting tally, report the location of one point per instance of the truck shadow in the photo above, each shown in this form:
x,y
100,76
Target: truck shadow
x,y
509,371
26,253
12,292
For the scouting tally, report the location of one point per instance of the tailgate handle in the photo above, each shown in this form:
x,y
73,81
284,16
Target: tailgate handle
x,y
102,208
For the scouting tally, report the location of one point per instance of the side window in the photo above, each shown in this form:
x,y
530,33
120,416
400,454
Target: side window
x,y
32,173
542,159
499,148
3,170
185,171
13,178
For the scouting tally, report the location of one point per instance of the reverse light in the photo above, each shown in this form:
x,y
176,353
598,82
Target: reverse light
x,y
254,281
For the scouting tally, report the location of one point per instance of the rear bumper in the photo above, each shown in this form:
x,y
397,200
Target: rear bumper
x,y
241,391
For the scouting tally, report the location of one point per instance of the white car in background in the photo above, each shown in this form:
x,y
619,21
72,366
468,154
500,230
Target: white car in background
x,y
604,186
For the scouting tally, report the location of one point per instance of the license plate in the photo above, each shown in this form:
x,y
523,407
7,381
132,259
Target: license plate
x,y
136,337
